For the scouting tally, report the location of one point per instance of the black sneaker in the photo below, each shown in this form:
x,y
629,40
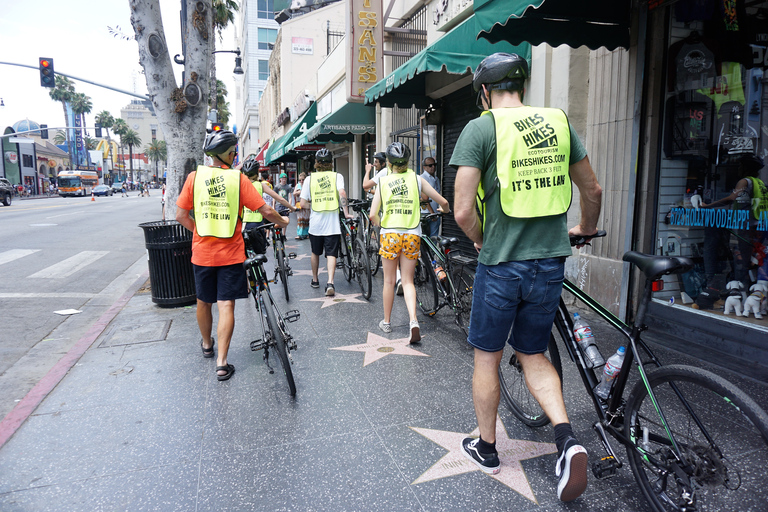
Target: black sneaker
x,y
330,291
572,469
315,284
488,462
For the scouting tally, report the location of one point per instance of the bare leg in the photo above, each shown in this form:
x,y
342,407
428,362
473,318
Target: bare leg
x,y
407,270
388,293
224,329
486,392
205,322
315,262
331,268
544,384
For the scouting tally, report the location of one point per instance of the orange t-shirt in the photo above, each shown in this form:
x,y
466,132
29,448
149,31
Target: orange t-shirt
x,y
209,251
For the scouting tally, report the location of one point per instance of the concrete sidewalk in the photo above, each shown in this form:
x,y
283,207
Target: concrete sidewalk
x,y
140,422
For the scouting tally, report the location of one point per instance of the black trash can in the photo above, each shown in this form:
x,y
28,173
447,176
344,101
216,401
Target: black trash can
x,y
169,245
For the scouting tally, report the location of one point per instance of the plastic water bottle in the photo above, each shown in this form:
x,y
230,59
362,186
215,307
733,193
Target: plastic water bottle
x,y
586,340
610,371
438,271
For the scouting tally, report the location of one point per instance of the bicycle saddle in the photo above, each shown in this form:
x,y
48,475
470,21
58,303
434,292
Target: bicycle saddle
x,y
655,266
447,242
259,258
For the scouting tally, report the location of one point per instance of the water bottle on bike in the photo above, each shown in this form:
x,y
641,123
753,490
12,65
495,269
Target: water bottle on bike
x,y
586,340
610,371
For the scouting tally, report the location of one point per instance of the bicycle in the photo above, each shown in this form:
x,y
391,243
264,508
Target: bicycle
x,y
443,277
694,440
273,323
282,268
368,233
353,256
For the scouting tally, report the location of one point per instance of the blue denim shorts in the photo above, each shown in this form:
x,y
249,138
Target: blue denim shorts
x,y
515,302
213,284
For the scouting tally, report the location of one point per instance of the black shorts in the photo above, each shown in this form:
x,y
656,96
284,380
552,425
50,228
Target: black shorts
x,y
213,284
330,243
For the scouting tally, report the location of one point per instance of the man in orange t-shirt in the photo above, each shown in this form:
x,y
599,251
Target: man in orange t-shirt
x,y
217,194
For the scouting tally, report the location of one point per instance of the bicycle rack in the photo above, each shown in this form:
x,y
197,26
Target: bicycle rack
x,y
292,315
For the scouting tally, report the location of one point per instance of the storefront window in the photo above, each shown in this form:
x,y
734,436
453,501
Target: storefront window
x,y
713,205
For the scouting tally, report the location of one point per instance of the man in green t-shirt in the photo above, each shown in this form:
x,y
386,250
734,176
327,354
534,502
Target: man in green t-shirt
x,y
521,160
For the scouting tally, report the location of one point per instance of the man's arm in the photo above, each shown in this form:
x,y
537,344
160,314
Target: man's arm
x,y
277,197
183,218
591,197
271,215
465,191
368,183
344,202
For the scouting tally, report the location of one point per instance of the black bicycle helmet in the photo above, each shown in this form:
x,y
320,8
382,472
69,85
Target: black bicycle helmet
x,y
251,166
398,153
381,157
500,67
217,143
323,156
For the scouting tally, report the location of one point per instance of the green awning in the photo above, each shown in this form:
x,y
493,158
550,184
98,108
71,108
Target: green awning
x,y
285,143
456,53
343,124
592,24
275,148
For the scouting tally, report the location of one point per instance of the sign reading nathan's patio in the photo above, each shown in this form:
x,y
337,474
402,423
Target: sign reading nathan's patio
x,y
365,63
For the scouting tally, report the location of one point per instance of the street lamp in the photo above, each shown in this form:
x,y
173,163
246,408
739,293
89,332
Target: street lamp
x,y
178,59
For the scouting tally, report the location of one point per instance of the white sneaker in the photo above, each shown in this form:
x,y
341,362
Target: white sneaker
x,y
415,332
385,326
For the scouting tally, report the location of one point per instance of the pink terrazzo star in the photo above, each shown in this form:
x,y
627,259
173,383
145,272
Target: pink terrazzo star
x,y
337,299
308,272
377,347
511,452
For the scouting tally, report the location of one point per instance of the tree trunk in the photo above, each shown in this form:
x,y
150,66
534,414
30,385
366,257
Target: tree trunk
x,y
130,161
183,123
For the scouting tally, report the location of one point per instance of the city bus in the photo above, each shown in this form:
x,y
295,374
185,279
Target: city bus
x,y
77,183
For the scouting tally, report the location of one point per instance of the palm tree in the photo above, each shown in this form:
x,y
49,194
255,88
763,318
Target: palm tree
x,y
63,92
222,106
157,151
60,137
223,14
130,138
119,127
81,105
106,121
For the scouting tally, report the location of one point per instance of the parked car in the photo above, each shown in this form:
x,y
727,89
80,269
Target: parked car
x,y
102,190
6,191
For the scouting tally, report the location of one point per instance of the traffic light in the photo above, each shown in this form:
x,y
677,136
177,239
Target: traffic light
x,y
43,131
47,76
216,127
98,130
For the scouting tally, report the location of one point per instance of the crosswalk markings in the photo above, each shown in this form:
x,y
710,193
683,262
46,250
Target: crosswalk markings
x,y
14,254
69,266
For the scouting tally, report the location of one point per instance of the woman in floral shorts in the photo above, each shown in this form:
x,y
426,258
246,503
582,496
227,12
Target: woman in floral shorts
x,y
398,196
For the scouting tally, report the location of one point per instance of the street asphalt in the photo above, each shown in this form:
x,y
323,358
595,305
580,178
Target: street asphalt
x,y
133,417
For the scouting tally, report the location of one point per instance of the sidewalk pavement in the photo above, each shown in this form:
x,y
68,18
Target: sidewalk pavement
x,y
140,422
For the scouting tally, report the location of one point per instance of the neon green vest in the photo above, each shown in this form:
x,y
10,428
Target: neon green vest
x,y
533,147
759,198
322,187
400,200
216,196
250,215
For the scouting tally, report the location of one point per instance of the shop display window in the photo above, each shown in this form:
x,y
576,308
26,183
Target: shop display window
x,y
712,202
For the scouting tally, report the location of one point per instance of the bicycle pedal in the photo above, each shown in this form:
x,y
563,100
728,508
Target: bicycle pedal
x,y
291,255
292,315
258,344
605,467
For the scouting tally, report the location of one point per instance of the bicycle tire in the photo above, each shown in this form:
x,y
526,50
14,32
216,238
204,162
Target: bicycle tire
x,y
736,424
362,269
515,391
463,284
346,259
373,244
279,343
282,269
426,287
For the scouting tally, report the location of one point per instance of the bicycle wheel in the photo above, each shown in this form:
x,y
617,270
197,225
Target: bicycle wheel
x,y
279,342
463,284
372,246
346,259
282,268
721,432
515,390
426,288
362,268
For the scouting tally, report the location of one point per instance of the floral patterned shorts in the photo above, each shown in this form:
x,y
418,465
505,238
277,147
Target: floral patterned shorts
x,y
392,244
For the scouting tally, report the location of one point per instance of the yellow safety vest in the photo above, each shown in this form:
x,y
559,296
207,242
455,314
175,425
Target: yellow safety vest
x,y
250,215
216,196
322,187
400,200
533,147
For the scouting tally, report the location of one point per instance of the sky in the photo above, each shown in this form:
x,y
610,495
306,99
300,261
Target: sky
x,y
75,35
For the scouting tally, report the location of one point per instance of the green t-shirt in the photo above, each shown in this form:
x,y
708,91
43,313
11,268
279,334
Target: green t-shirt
x,y
505,238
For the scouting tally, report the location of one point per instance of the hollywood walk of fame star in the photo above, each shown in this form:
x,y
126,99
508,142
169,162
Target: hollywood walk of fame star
x,y
300,257
337,299
511,452
308,272
377,347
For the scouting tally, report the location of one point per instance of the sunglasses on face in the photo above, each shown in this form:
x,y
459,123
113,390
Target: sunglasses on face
x,y
429,165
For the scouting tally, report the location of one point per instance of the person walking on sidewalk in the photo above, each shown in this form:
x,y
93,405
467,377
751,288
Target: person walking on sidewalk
x,y
254,219
285,191
428,173
302,215
322,193
398,196
217,195
520,161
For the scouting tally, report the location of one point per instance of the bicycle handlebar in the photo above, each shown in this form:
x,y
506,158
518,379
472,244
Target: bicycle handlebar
x,y
584,240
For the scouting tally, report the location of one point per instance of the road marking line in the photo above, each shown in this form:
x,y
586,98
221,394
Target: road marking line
x,y
69,266
14,254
